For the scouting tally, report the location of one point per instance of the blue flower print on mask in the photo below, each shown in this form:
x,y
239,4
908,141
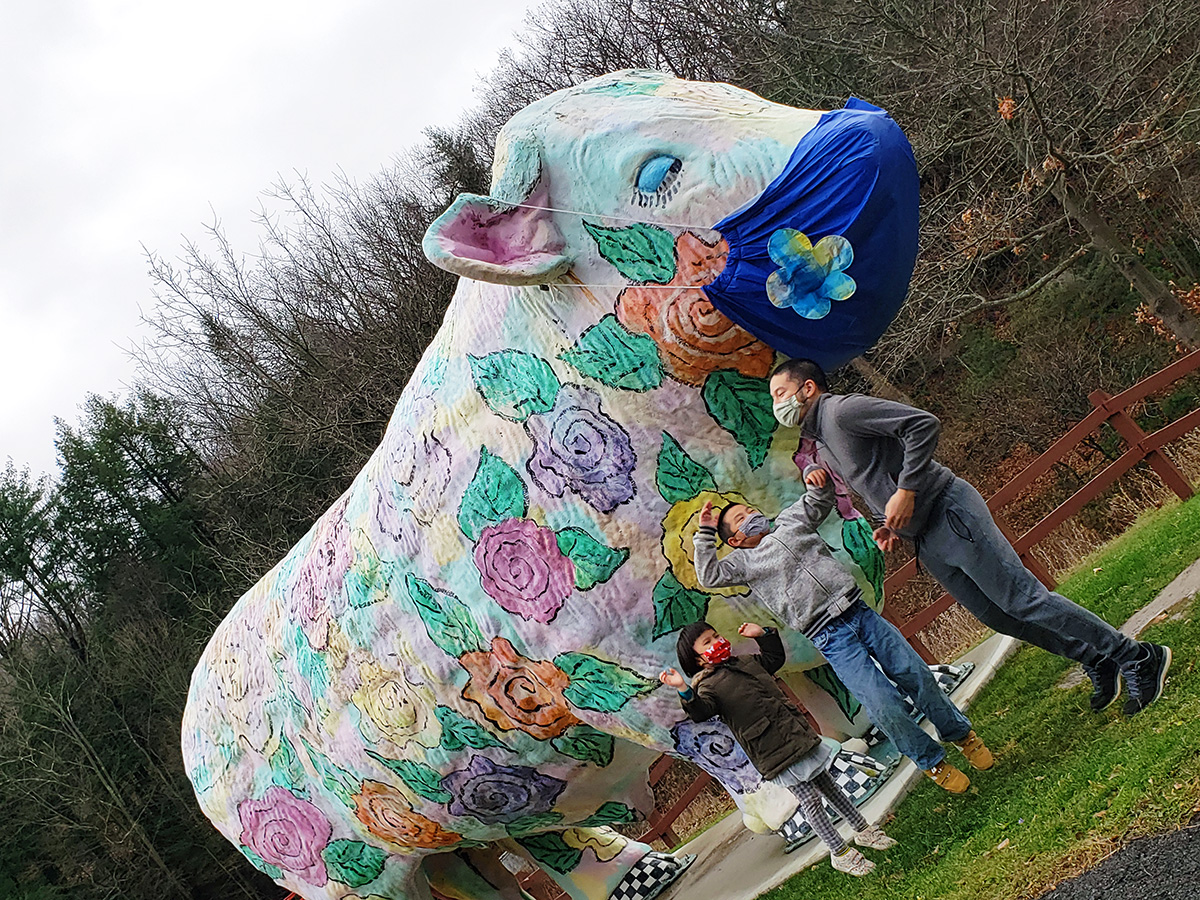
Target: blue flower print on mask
x,y
809,277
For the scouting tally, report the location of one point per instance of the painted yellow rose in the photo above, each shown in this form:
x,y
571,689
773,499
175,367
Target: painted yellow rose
x,y
391,704
679,527
604,842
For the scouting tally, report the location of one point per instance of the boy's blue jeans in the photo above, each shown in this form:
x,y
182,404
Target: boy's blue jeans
x,y
850,643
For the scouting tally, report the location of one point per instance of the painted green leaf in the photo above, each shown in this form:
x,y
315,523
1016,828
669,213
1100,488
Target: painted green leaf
x,y
859,543
446,618
261,864
617,357
741,405
611,813
353,862
496,493
336,780
594,562
458,731
679,477
826,679
514,384
552,851
676,605
586,743
421,778
285,765
536,822
642,253
367,580
598,684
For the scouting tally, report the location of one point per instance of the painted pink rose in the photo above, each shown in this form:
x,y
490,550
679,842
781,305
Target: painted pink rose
x,y
523,570
287,832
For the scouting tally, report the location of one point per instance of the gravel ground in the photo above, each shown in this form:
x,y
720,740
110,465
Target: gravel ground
x,y
1156,868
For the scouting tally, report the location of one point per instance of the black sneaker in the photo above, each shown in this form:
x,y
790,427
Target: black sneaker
x,y
1106,683
1145,678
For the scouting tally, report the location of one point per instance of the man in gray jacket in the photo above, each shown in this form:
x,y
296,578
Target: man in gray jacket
x,y
791,573
884,451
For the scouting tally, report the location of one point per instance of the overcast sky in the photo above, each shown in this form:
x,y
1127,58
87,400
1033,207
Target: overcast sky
x,y
131,123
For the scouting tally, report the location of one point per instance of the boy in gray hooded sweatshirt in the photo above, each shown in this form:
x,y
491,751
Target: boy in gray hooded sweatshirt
x,y
791,572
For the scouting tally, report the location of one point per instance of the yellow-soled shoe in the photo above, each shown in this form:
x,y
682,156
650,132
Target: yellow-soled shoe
x,y
976,752
951,779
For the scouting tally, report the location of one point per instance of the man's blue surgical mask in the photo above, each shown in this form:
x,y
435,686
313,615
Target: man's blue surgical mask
x,y
819,264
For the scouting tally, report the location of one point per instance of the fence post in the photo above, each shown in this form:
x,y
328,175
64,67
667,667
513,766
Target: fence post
x,y
1124,425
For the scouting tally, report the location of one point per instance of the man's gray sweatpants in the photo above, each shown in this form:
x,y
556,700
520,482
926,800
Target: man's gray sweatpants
x,y
962,548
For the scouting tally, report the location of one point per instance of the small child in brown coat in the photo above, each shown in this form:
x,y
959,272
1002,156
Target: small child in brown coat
x,y
741,690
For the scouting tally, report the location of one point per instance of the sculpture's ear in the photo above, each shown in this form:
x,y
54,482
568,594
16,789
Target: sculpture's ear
x,y
487,240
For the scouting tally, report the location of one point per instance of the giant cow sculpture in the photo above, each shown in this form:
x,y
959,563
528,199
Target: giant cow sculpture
x,y
460,656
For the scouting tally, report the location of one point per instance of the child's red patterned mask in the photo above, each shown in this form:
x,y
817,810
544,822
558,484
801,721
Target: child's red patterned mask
x,y
716,654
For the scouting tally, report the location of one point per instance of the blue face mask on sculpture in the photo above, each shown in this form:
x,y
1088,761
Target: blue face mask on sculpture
x,y
819,264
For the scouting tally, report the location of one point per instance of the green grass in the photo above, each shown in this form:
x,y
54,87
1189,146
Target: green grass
x,y
1069,785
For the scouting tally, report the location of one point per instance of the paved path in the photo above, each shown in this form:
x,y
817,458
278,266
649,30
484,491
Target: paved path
x,y
1166,867
734,863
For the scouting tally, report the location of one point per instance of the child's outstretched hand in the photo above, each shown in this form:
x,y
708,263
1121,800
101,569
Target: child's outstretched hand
x,y
885,538
672,678
708,518
816,478
750,630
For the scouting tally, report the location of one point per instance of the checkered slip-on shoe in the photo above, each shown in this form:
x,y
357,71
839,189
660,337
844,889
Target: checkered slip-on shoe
x,y
651,875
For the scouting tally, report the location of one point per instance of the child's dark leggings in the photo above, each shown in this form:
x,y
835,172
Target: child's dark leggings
x,y
810,793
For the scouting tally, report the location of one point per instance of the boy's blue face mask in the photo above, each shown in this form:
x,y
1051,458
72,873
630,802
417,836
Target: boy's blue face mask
x,y
754,525
819,264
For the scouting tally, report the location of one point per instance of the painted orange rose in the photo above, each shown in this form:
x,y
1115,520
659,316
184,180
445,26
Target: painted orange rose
x,y
693,337
388,815
518,693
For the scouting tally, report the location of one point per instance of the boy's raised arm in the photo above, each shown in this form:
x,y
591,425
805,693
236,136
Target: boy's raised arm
x,y
816,502
710,571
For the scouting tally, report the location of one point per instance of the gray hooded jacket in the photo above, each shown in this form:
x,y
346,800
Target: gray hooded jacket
x,y
790,571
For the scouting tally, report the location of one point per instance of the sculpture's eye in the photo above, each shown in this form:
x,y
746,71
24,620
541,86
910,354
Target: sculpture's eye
x,y
656,180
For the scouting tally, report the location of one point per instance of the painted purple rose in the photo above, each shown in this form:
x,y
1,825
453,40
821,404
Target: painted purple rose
x,y
711,746
577,446
287,832
318,591
500,795
523,570
806,455
423,465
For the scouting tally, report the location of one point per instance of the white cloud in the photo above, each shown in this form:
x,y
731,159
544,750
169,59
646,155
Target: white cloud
x,y
135,121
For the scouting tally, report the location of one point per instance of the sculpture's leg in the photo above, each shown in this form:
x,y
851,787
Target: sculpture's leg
x,y
476,874
599,863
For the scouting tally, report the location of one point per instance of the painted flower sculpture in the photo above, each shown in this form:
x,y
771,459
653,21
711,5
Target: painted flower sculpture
x,y
461,654
809,277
